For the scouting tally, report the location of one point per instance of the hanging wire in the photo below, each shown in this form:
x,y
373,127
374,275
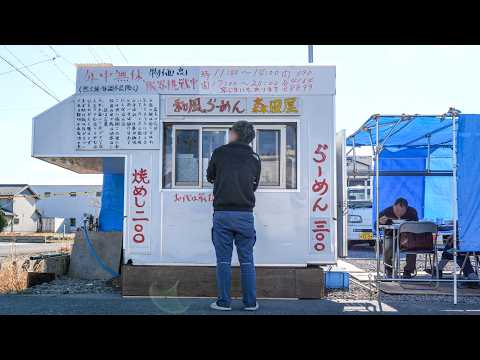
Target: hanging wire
x,y
121,53
27,66
30,71
24,75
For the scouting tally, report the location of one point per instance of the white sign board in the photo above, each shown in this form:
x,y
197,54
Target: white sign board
x,y
117,122
216,105
139,205
230,80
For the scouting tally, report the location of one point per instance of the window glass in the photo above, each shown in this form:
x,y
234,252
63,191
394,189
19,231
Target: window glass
x,y
167,156
186,157
268,148
291,154
211,139
73,222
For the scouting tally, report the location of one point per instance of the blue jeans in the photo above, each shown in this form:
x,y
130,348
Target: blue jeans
x,y
238,227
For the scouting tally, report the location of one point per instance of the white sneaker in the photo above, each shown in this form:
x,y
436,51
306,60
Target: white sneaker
x,y
252,308
215,306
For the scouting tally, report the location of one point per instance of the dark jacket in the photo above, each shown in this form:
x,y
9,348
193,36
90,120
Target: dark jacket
x,y
234,169
410,215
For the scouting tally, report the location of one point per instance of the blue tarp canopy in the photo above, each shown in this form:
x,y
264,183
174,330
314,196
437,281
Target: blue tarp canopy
x,y
415,147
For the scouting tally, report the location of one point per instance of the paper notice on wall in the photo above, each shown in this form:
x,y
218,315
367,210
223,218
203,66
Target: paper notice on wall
x,y
109,122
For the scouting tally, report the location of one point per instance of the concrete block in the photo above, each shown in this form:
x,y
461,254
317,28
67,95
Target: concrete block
x,y
57,265
108,247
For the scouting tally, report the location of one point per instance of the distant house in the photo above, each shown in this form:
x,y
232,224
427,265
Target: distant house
x,y
70,202
18,202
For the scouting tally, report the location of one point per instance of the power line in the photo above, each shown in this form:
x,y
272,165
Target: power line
x,y
63,73
27,66
57,54
121,53
18,70
95,59
105,48
95,54
30,71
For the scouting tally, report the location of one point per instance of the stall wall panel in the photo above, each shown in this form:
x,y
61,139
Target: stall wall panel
x,y
320,162
141,185
468,168
53,133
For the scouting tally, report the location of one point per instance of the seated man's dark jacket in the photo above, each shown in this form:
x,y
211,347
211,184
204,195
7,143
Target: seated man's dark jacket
x,y
410,215
234,169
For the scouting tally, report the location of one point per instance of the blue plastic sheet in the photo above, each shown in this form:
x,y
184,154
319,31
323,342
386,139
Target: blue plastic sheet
x,y
111,211
468,184
438,189
412,188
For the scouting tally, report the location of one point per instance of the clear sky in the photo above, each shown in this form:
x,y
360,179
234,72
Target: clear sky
x,y
370,79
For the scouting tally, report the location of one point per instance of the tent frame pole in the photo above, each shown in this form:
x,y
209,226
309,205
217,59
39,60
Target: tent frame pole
x,y
428,153
354,160
377,210
454,201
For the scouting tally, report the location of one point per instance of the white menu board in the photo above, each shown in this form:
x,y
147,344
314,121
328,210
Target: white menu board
x,y
106,122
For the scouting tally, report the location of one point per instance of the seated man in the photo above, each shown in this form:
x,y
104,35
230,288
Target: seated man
x,y
399,210
447,256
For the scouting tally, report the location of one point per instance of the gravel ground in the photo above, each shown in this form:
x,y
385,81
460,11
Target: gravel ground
x,y
364,258
65,285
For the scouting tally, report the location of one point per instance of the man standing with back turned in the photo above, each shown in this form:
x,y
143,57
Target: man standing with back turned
x,y
234,169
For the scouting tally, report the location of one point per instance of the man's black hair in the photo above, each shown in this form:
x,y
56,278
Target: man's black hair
x,y
244,130
402,202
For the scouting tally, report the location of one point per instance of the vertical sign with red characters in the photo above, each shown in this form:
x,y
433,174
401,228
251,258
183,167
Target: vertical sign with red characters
x,y
320,224
140,199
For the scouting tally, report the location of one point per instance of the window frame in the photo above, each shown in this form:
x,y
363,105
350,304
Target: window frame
x,y
207,125
283,147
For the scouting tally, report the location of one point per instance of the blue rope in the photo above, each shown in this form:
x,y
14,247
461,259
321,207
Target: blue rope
x,y
92,252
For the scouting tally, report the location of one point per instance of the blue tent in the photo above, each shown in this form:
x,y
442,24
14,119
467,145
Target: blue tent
x,y
416,162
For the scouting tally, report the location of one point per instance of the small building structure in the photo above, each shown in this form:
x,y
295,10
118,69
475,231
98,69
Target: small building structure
x,y
18,202
70,202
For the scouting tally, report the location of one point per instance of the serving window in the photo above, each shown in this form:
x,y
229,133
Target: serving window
x,y
187,149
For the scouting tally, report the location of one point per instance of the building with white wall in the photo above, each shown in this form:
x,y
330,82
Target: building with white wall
x,y
157,126
18,202
70,202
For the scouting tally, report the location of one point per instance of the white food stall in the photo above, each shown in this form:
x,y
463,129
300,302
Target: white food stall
x,y
159,125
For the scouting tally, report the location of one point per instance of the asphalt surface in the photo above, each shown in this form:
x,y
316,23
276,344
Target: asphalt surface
x,y
115,304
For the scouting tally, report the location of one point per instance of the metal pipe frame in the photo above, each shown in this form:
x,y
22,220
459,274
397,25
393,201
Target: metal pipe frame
x,y
454,202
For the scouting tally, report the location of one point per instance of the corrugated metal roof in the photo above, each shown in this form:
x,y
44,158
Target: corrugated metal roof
x,y
13,189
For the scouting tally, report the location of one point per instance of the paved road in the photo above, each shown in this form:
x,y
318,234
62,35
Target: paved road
x,y
29,248
114,304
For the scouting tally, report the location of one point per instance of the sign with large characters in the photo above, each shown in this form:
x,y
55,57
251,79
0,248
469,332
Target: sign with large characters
x,y
230,80
216,105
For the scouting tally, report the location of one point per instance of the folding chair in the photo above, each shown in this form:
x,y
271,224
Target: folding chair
x,y
420,227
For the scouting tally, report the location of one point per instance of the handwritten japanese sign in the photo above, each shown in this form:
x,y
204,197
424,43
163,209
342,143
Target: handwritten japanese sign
x,y
139,204
116,122
251,80
212,105
188,198
319,222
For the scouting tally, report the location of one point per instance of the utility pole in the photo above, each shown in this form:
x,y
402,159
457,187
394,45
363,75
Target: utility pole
x,y
310,54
